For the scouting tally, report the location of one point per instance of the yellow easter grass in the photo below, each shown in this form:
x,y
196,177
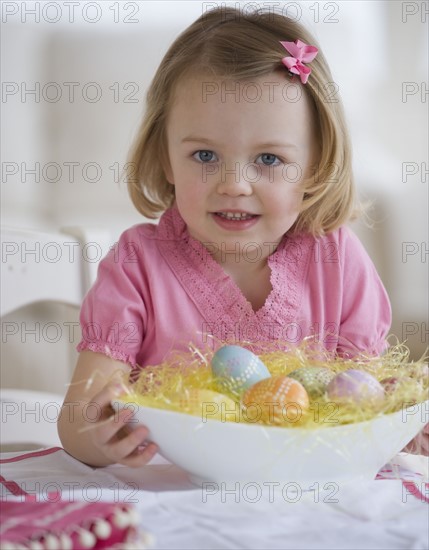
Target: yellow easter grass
x,y
184,384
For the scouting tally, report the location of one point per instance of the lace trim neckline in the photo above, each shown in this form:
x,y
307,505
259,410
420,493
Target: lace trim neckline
x,y
217,296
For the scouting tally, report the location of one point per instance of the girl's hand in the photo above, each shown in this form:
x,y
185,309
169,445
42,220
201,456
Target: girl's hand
x,y
89,428
113,437
420,444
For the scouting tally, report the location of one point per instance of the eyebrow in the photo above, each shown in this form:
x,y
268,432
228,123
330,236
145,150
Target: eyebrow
x,y
198,139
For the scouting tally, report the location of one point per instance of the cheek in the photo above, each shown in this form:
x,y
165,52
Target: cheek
x,y
283,196
190,195
186,173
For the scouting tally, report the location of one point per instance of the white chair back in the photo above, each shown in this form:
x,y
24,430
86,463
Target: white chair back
x,y
41,267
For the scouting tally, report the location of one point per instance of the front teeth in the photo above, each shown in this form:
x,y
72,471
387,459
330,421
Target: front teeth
x,y
235,215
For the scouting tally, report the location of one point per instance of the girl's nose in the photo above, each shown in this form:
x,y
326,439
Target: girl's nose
x,y
235,180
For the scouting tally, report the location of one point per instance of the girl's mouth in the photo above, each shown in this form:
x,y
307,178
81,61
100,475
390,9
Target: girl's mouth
x,y
236,216
235,220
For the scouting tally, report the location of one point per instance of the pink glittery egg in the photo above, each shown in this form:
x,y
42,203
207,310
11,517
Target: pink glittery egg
x,y
390,384
355,386
410,387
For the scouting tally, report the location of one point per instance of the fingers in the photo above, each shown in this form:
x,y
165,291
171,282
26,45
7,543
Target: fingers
x,y
122,444
114,434
107,394
141,456
130,448
113,423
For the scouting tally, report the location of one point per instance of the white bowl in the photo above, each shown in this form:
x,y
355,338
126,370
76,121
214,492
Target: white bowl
x,y
216,451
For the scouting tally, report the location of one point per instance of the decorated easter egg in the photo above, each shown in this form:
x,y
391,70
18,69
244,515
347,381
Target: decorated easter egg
x,y
392,383
206,403
356,386
236,369
276,400
314,379
408,388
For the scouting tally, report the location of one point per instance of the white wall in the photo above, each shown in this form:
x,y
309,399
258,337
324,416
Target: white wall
x,y
373,48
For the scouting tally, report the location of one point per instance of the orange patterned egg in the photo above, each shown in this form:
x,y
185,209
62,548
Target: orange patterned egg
x,y
276,400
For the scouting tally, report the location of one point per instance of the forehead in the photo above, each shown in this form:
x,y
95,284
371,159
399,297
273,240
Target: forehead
x,y
271,104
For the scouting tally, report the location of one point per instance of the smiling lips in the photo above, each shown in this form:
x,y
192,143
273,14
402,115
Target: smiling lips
x,y
235,220
238,216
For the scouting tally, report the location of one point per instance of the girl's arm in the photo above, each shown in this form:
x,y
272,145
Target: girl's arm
x,y
88,428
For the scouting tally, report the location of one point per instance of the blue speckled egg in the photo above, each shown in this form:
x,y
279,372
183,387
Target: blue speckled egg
x,y
236,369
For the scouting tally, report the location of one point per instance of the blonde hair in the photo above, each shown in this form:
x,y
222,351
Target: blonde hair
x,y
241,46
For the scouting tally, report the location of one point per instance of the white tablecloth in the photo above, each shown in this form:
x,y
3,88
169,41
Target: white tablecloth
x,y
379,514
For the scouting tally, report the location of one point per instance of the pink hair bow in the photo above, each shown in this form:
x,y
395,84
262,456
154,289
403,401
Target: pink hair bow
x,y
302,53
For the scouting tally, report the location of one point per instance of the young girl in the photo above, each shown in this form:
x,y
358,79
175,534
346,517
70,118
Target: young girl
x,y
244,149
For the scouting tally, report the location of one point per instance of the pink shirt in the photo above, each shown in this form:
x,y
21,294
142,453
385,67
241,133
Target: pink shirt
x,y
159,289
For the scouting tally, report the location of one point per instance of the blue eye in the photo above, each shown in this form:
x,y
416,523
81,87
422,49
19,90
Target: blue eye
x,y
269,160
204,156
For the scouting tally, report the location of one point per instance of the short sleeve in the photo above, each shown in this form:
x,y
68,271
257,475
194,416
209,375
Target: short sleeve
x,y
113,313
366,313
